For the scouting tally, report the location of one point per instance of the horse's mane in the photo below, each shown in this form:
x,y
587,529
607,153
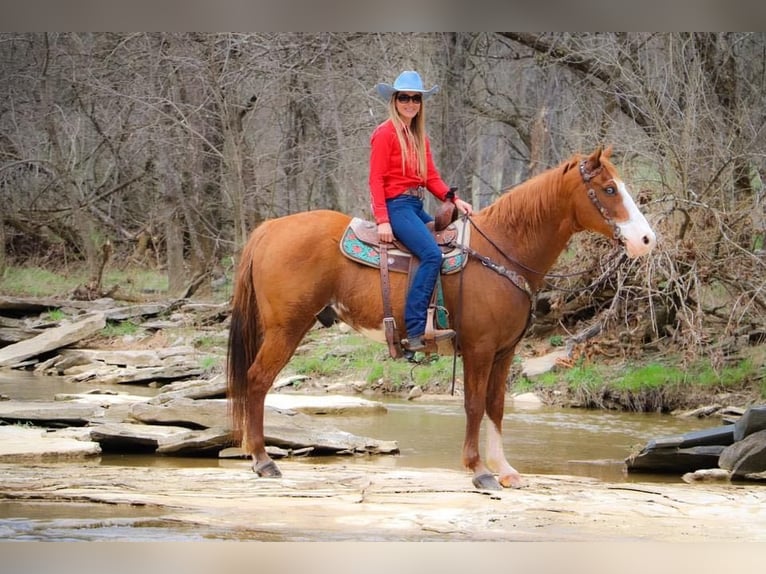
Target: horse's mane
x,y
529,202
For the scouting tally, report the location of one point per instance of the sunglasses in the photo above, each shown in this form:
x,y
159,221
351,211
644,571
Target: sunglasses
x,y
406,98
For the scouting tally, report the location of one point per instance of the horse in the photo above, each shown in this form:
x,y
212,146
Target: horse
x,y
291,269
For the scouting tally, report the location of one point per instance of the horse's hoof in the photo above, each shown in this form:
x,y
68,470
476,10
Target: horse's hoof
x,y
267,469
512,481
486,482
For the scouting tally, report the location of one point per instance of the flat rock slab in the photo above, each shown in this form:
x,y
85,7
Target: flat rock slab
x,y
324,404
24,444
362,502
538,365
51,339
49,413
131,437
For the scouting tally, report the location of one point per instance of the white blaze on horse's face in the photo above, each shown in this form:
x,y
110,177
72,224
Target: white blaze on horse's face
x,y
637,235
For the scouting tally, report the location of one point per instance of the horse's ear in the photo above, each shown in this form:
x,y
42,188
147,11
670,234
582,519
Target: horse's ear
x,y
594,160
607,153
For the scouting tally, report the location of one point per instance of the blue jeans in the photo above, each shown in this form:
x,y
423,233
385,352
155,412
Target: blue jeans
x,y
408,222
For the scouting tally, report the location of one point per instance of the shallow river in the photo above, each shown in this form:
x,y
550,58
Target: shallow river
x,y
430,434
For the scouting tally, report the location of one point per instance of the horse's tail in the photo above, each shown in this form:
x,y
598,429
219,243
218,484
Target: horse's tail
x,y
245,339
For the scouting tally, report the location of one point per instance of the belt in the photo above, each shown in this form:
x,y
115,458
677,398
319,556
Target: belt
x,y
419,192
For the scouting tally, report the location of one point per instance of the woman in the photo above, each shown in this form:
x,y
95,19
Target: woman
x,y
401,170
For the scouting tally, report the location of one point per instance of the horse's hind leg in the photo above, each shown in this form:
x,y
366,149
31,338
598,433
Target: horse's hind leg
x,y
277,348
508,476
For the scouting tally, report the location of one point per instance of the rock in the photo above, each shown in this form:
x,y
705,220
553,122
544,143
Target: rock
x,y
182,412
52,339
707,475
339,389
22,444
207,442
747,456
288,381
44,413
325,404
101,398
119,358
107,374
214,388
283,428
675,460
129,312
753,420
134,438
731,411
355,500
723,435
527,400
415,393
699,413
539,365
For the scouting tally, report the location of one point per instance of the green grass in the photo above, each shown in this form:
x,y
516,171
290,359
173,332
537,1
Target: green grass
x,y
556,341
354,355
35,282
117,329
651,376
209,363
56,315
730,376
211,342
648,377
21,281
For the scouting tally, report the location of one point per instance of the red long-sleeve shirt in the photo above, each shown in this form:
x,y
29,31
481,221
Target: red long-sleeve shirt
x,y
386,177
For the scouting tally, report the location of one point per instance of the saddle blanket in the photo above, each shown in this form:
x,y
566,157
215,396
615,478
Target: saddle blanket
x,y
359,243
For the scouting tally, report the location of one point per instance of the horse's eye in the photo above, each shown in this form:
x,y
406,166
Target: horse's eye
x,y
610,190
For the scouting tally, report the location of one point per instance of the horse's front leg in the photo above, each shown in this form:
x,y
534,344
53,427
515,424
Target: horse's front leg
x,y
495,401
475,375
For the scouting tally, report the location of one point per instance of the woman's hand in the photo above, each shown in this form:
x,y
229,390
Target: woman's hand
x,y
385,233
463,207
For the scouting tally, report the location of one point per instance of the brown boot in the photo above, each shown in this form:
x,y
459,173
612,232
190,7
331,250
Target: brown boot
x,y
418,344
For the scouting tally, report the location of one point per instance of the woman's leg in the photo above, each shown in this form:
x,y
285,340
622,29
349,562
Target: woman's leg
x,y
408,222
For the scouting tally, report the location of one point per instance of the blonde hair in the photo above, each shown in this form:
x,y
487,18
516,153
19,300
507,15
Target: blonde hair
x,y
412,140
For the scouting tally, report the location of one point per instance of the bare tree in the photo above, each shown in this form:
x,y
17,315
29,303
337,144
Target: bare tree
x,y
168,148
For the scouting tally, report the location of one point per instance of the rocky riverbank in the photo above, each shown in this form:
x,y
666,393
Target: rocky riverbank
x,y
355,502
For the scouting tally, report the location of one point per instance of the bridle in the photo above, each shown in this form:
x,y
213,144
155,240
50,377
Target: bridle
x,y
586,178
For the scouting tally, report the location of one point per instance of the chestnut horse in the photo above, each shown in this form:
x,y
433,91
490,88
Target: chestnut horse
x,y
292,268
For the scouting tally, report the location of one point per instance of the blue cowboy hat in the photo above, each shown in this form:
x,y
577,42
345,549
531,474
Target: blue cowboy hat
x,y
408,81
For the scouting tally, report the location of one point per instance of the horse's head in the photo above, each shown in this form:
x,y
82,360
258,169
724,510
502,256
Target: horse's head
x,y
609,209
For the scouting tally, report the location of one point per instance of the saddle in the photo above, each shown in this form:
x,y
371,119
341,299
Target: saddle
x,y
360,243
